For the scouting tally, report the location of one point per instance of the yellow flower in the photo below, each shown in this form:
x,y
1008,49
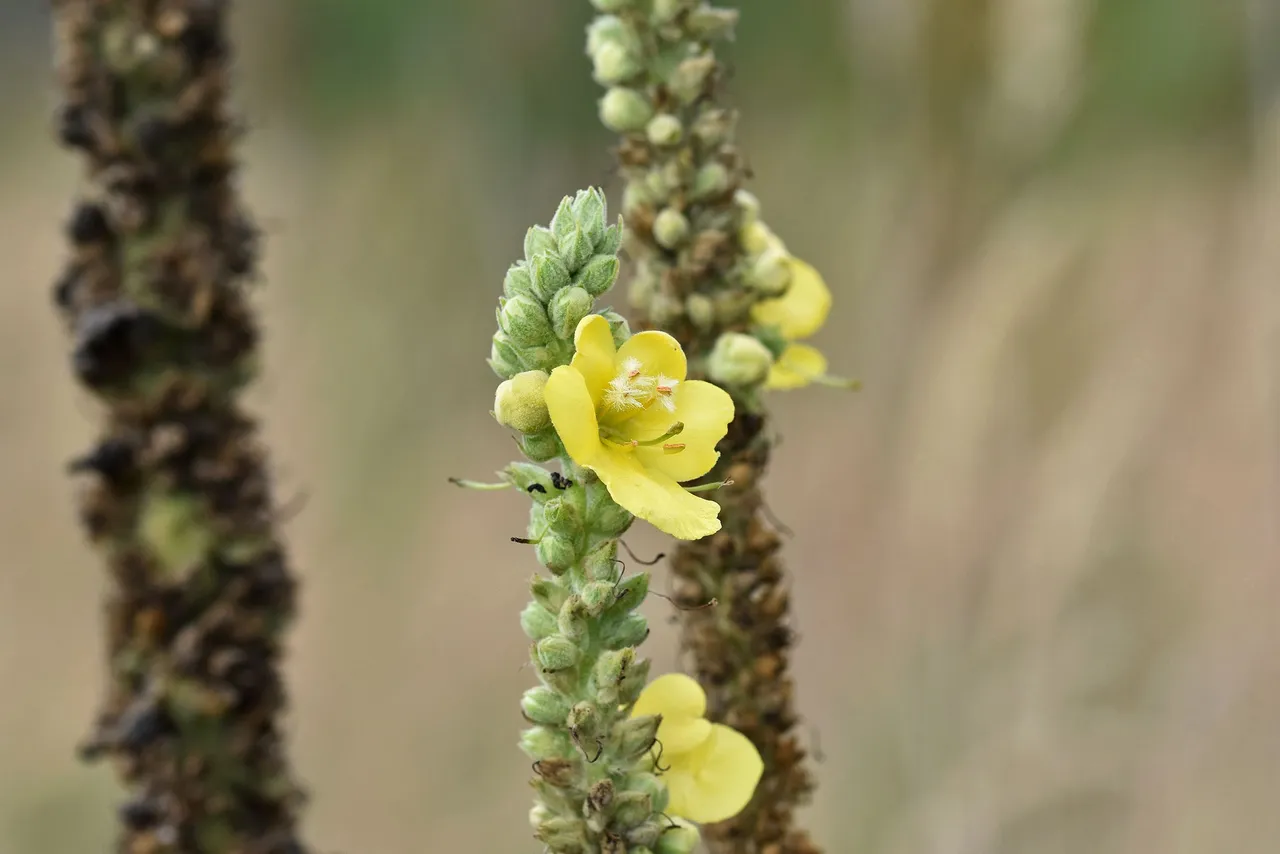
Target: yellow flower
x,y
798,313
711,770
629,415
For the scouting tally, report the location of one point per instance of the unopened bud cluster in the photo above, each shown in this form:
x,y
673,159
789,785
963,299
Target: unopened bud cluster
x,y
594,788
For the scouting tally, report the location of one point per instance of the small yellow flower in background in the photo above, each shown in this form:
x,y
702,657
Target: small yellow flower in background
x,y
629,415
710,770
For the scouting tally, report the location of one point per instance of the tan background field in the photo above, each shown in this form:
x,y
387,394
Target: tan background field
x,y
1036,562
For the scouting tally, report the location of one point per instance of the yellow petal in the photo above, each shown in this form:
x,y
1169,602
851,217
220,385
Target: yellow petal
x,y
594,353
658,352
573,414
682,704
715,781
800,311
705,410
649,494
798,366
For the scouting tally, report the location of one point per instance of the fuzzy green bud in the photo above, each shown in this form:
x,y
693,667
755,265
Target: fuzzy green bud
x,y
631,809
529,478
634,682
549,275
519,402
538,814
517,281
683,838
714,128
634,736
666,11
503,358
576,247
525,321
544,706
689,79
597,275
613,63
582,720
650,785
567,308
564,513
670,228
556,552
540,447
574,621
538,240
563,835
711,181
709,24
618,327
628,630
770,274
612,667
609,28
610,519
556,653
701,310
548,593
748,205
542,742
601,563
631,592
637,194
739,360
596,596
664,130
564,221
625,110
538,622
611,240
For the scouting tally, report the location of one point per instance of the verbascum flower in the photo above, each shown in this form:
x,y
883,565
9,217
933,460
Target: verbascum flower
x,y
711,770
629,415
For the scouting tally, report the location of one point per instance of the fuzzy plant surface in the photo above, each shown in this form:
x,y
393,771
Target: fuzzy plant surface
x,y
710,272
620,763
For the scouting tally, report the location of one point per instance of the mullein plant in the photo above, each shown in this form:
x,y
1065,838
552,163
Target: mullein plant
x,y
620,763
711,273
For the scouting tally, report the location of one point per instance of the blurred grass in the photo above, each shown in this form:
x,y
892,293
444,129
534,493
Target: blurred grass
x,y
1034,560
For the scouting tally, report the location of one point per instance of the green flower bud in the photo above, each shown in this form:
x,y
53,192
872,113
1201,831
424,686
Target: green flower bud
x,y
563,835
564,222
556,653
519,402
646,834
690,77
637,194
612,666
549,275
770,274
701,310
564,512
748,205
631,592
650,785
666,11
567,308
612,63
542,742
538,814
610,28
618,327
665,180
576,248
538,622
540,447
597,275
538,240
591,210
739,360
548,593
596,596
634,736
670,228
628,630
711,181
518,281
556,552
625,110
601,563
634,682
583,720
503,358
525,321
611,240
574,621
631,809
527,477
664,129
683,838
710,24
714,128
544,706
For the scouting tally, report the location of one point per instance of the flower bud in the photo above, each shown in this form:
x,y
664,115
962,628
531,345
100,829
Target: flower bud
x,y
709,24
519,402
574,620
548,593
601,563
631,592
544,706
583,720
689,79
715,127
701,310
538,814
664,129
549,275
609,28
680,839
651,785
748,205
628,630
596,596
527,478
670,228
631,809
518,281
563,835
625,110
612,666
666,11
635,736
597,275
503,358
576,247
710,181
612,63
770,274
538,622
525,321
564,512
542,742
556,552
540,447
618,327
611,240
567,308
599,798
637,194
538,240
633,683
739,360
556,653
755,237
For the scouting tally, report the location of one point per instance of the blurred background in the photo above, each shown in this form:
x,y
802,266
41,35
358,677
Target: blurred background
x,y
1035,561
